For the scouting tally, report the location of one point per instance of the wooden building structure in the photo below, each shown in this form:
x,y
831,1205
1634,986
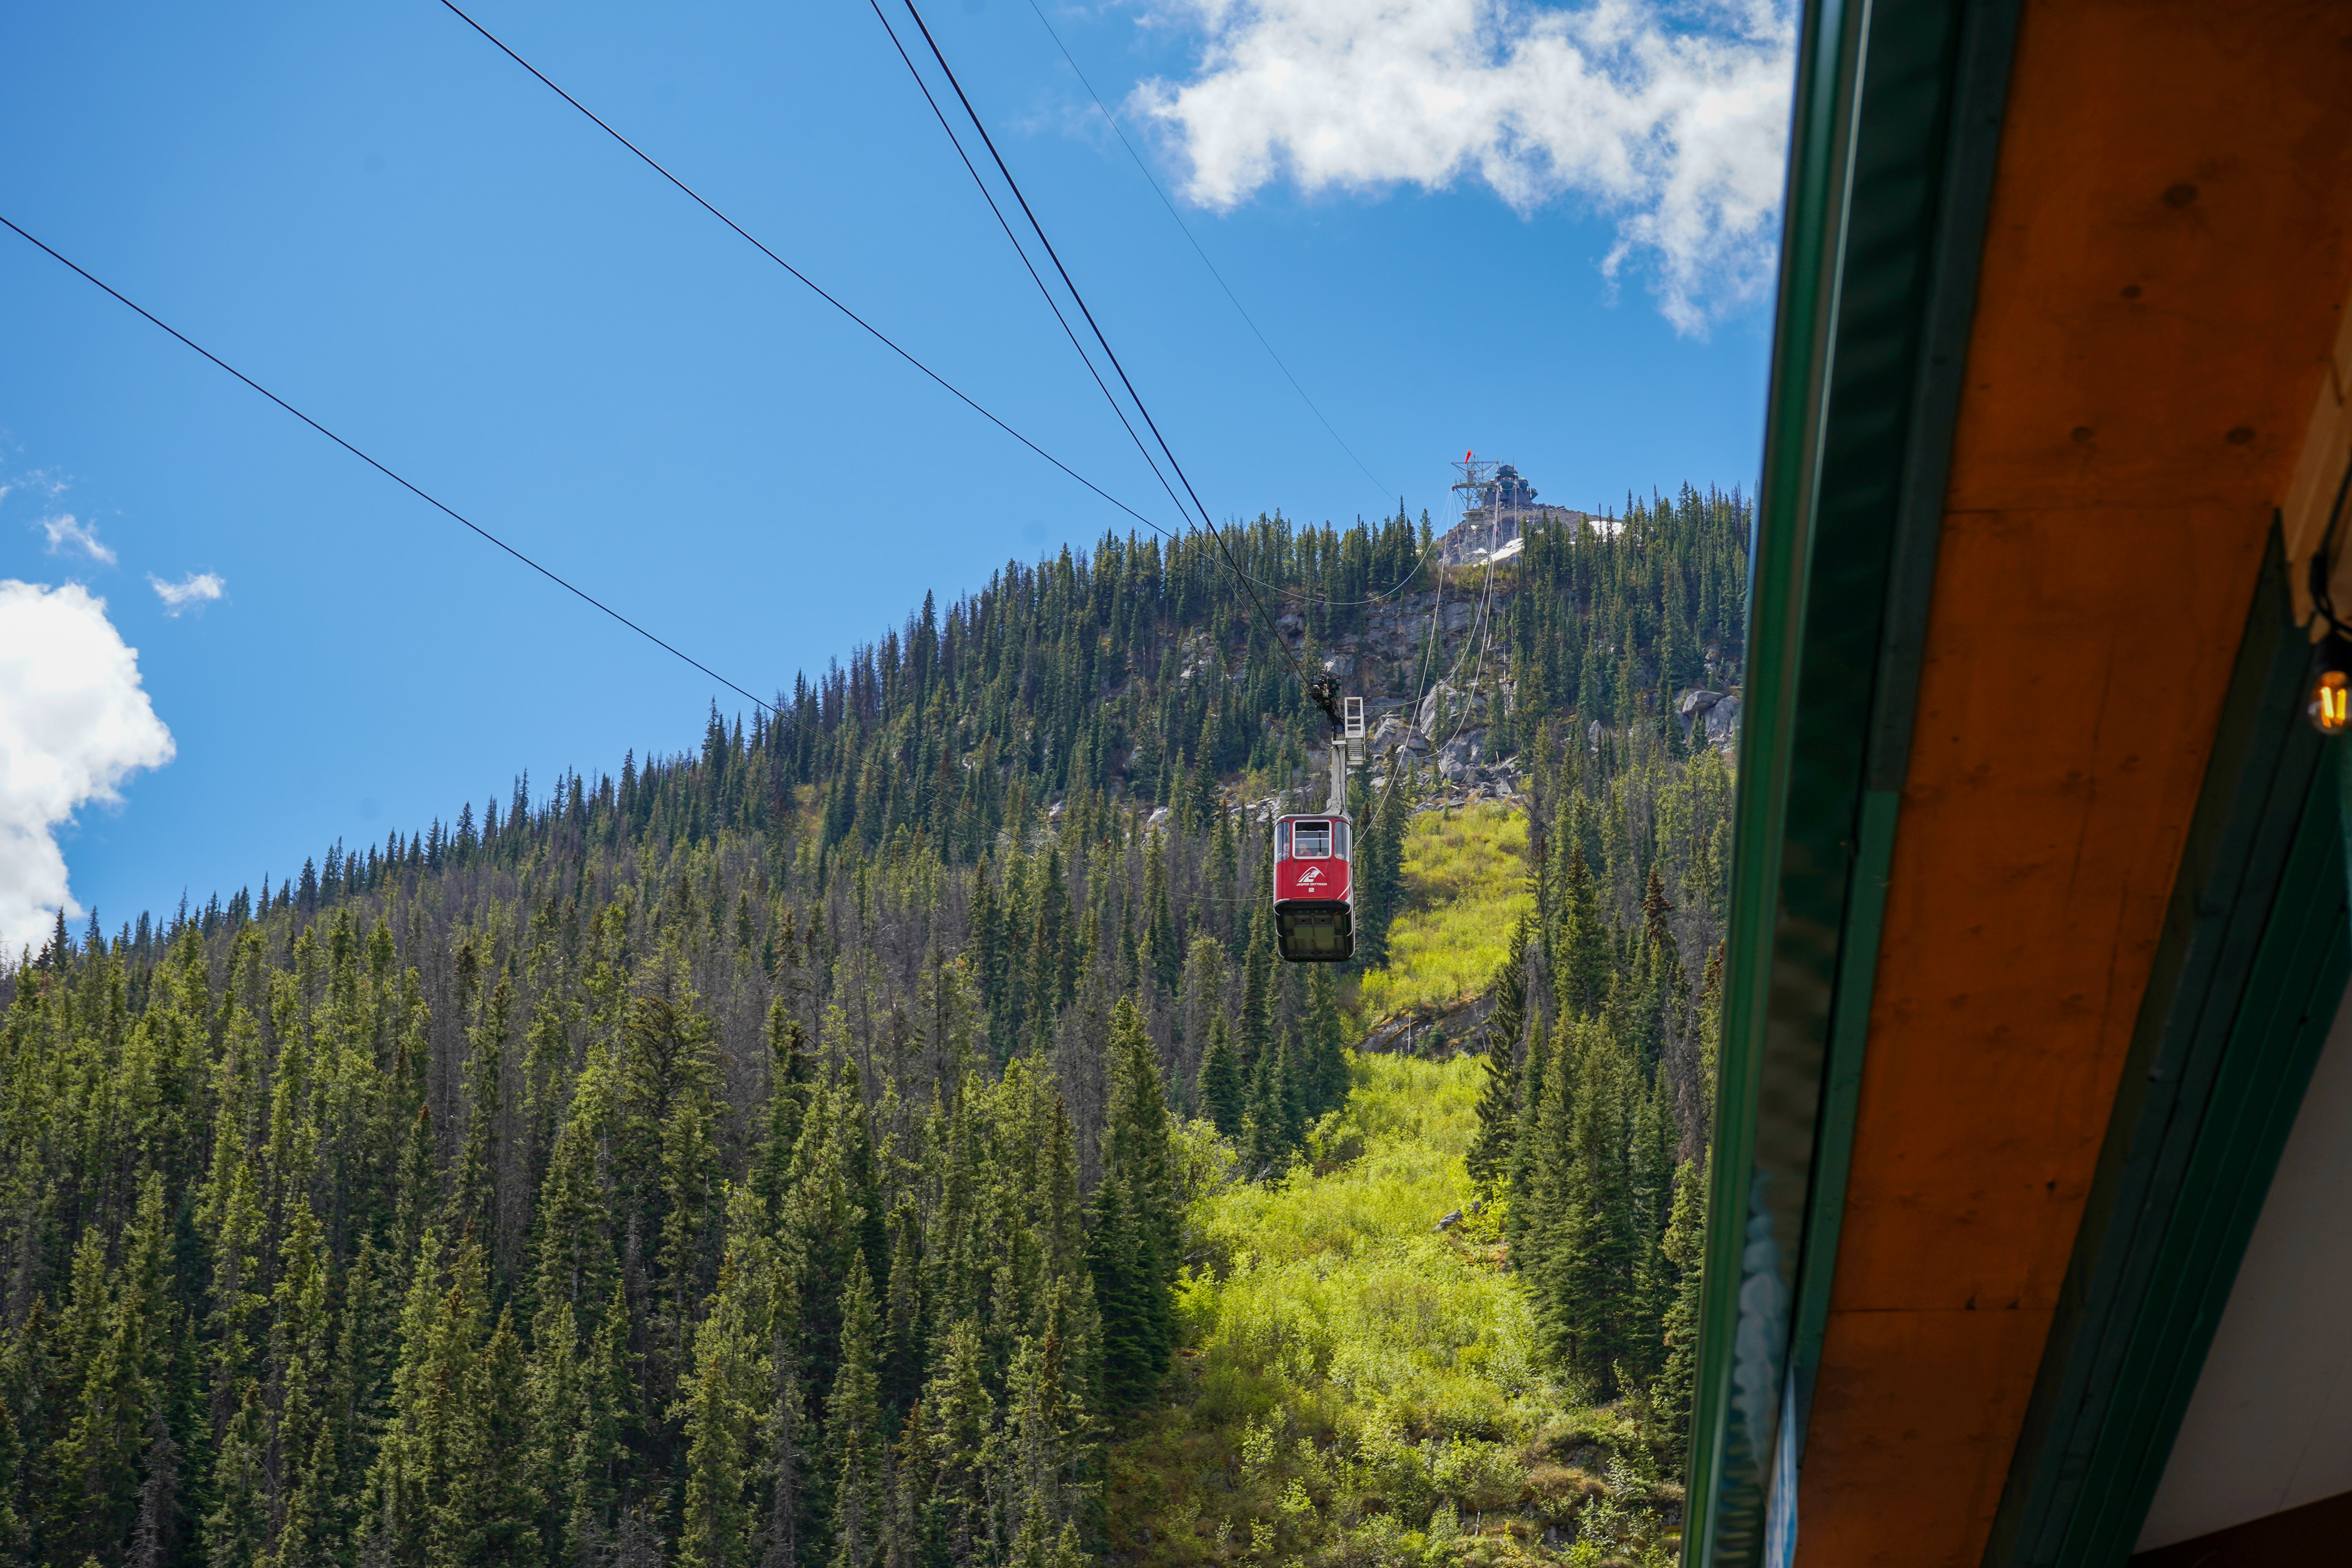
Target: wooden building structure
x,y
2031,1241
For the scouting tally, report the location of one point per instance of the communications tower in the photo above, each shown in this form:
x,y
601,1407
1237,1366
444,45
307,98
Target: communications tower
x,y
1477,487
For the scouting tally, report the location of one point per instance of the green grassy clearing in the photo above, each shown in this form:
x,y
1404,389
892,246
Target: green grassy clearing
x,y
1465,888
1358,1389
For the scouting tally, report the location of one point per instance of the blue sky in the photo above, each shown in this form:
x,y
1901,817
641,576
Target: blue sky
x,y
373,213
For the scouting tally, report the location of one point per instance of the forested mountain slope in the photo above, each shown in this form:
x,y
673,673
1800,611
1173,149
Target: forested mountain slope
x,y
770,1154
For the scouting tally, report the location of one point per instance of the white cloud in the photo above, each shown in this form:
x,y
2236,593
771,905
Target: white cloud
x,y
68,536
196,588
74,724
1673,118
45,481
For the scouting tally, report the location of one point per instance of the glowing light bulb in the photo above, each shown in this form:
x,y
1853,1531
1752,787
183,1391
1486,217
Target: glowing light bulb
x,y
2330,709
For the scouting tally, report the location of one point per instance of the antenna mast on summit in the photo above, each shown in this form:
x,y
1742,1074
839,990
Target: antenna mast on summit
x,y
1478,489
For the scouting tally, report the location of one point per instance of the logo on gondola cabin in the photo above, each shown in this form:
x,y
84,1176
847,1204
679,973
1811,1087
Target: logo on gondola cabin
x,y
1312,874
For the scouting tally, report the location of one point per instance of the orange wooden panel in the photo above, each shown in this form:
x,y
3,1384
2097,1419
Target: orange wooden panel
x,y
2166,250
1850,1514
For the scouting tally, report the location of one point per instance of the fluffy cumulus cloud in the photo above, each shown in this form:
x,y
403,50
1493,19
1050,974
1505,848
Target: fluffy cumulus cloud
x,y
196,588
1672,117
74,724
70,536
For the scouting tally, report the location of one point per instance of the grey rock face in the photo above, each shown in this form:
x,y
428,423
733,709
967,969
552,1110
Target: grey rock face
x,y
1713,716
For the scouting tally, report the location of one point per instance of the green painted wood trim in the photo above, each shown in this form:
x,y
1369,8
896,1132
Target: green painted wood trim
x,y
2248,971
2290,1002
1742,1321
1895,131
1842,1094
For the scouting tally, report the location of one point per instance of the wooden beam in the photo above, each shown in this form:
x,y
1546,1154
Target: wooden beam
x,y
2163,277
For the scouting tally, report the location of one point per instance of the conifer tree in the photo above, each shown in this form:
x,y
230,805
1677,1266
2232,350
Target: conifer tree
x,y
595,1468
728,1397
1199,997
1270,1127
854,1437
1136,1138
1044,1453
1379,866
1683,1248
473,1200
1650,1178
1159,943
1130,1295
1256,1021
904,1331
1498,1108
301,1357
1220,1094
1591,1251
1583,980
1325,1063
957,1419
488,1516
237,1527
791,1073
1524,1165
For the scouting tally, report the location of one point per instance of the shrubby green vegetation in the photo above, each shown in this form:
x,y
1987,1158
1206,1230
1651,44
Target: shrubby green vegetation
x,y
764,1156
1465,877
1360,1388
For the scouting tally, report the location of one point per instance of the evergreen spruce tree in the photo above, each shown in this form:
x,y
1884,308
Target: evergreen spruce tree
x,y
1524,1165
790,1075
1256,1020
958,1418
1270,1130
488,1516
1684,1250
853,1438
1498,1108
1159,943
1129,1297
473,1199
117,1332
1220,1094
1379,866
596,1458
1325,1065
904,1331
1649,1166
1593,1248
1136,1138
728,1395
1582,981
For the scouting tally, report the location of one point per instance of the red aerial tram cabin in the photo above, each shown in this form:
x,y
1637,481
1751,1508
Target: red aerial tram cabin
x,y
1314,888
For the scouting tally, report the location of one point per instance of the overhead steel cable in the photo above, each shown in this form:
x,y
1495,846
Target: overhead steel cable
x,y
1144,169
414,489
1054,305
813,286
1018,249
1434,645
986,194
1248,584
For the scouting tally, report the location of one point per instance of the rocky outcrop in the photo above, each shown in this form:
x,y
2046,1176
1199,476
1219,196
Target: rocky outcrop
x,y
1711,716
1431,1032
